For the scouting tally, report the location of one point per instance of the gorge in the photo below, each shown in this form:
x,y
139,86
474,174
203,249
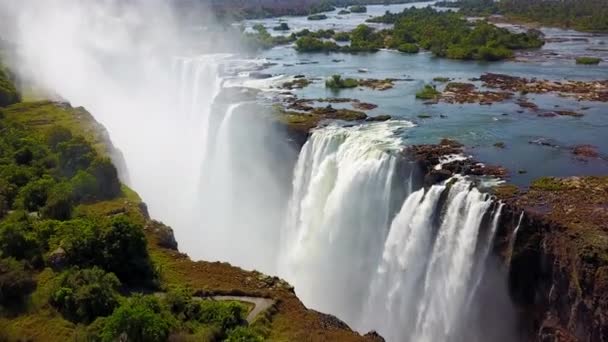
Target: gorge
x,y
386,225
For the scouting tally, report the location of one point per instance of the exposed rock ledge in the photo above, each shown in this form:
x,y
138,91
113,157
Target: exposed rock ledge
x,y
557,262
558,265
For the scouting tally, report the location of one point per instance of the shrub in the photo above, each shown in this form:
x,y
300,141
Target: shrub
x,y
222,314
84,187
16,175
342,37
317,17
458,52
84,295
178,299
364,38
15,282
34,195
549,184
24,156
108,184
118,246
281,27
4,206
358,9
408,48
140,319
75,154
441,79
8,92
17,241
337,82
57,135
59,203
311,44
125,252
243,334
588,60
428,93
493,54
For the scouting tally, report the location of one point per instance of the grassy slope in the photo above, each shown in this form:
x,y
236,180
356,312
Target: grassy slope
x,y
289,320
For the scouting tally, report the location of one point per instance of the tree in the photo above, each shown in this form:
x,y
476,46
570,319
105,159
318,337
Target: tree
x,y
15,282
17,241
140,319
106,175
84,295
8,92
74,154
125,251
59,203
57,135
34,195
84,187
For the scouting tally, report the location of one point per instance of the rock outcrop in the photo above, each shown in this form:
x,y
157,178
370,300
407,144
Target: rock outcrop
x,y
556,254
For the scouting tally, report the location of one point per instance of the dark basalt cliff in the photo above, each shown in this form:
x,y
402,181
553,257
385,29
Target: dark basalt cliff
x,y
553,240
558,262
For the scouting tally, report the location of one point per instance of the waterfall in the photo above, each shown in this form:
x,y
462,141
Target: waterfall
x,y
409,271
339,214
514,239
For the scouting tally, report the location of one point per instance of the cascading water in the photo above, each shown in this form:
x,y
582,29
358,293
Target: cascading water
x,y
361,240
341,206
409,273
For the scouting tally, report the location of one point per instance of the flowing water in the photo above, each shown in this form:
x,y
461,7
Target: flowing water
x,y
345,219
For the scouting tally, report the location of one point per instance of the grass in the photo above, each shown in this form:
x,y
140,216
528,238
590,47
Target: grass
x,y
40,116
504,191
428,93
549,184
588,60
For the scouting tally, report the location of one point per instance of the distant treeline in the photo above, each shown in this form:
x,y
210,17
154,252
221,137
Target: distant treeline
x,y
256,9
583,15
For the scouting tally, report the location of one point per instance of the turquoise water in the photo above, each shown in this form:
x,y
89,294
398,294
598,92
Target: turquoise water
x,y
477,126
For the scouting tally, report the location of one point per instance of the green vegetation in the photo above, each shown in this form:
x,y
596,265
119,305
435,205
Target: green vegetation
x,y
83,295
15,282
441,79
358,9
583,15
408,48
337,82
549,184
8,91
262,39
343,12
317,17
588,60
505,191
342,37
448,34
364,38
72,245
281,27
429,92
445,34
